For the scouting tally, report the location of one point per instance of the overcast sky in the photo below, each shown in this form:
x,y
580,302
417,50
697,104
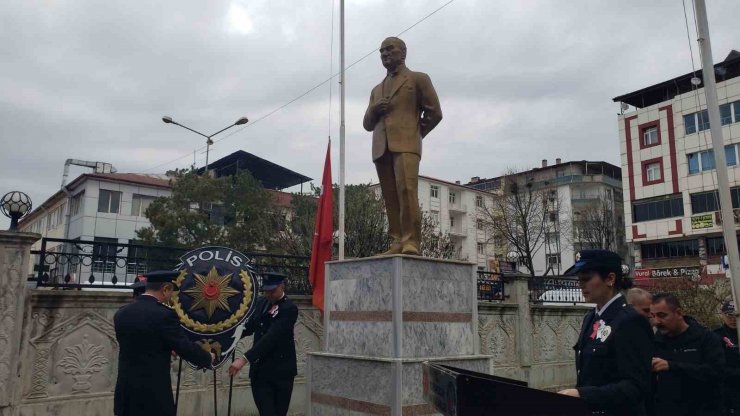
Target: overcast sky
x,y
518,81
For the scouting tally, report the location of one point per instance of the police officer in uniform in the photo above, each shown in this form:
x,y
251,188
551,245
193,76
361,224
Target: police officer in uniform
x,y
614,349
728,335
272,357
147,332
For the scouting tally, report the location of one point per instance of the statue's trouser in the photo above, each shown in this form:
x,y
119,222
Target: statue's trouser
x,y
399,182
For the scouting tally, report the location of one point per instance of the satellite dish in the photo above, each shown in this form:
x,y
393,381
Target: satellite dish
x,y
624,106
695,81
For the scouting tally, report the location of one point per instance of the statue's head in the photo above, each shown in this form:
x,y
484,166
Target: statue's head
x,y
392,52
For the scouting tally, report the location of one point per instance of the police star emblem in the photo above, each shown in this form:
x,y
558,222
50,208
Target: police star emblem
x,y
217,295
211,291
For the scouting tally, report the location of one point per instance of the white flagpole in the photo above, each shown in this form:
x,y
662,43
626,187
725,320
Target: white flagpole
x,y
341,131
710,90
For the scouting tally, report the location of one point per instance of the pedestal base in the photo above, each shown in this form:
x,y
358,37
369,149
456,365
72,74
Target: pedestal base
x,y
352,385
384,317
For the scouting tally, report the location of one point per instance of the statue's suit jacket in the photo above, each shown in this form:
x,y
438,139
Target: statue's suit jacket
x,y
413,112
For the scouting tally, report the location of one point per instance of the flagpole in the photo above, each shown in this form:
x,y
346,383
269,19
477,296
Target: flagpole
x,y
710,91
341,131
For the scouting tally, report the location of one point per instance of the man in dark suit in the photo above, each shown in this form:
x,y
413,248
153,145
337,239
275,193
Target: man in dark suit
x,y
403,109
147,332
272,357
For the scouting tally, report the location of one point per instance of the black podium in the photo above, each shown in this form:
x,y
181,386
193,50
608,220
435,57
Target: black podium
x,y
457,392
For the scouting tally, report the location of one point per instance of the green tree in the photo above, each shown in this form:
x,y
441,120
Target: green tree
x,y
231,211
365,223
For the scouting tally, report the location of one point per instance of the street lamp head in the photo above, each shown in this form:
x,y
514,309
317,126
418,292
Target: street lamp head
x,y
167,119
15,205
241,121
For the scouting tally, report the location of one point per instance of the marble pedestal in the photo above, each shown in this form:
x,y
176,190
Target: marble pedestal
x,y
383,317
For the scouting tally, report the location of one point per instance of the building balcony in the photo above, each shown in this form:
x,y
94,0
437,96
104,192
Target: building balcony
x,y
458,232
457,208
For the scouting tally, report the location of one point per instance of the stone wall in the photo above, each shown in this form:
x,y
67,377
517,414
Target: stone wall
x,y
68,354
69,358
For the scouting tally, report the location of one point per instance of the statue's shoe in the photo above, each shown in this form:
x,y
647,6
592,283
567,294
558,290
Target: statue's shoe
x,y
395,249
410,249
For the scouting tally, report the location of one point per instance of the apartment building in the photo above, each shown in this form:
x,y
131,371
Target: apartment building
x,y
572,191
671,203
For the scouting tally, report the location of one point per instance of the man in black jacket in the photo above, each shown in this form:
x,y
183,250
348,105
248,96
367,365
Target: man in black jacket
x,y
687,364
147,332
728,335
272,357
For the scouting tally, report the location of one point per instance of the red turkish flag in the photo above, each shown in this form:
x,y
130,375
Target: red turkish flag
x,y
322,236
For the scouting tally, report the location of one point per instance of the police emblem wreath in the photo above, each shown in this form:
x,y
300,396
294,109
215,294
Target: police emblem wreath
x,y
217,293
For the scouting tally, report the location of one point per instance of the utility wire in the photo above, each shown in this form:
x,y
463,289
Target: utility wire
x,y
310,90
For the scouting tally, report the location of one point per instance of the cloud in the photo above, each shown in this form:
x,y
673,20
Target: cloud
x,y
518,81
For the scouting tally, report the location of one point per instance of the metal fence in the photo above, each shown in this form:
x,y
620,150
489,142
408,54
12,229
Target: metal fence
x,y
490,286
555,290
78,264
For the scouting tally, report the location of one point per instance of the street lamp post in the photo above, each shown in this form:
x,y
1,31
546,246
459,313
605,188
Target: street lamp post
x,y
209,142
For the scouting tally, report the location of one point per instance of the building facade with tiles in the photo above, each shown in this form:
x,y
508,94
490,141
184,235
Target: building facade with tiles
x,y
669,178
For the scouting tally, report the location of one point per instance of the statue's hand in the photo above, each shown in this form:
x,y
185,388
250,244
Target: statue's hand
x,y
381,107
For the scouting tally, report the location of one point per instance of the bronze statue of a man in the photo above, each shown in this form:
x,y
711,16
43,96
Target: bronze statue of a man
x,y
403,109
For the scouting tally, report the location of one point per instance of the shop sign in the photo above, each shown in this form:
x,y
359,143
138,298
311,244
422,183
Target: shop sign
x,y
702,221
691,271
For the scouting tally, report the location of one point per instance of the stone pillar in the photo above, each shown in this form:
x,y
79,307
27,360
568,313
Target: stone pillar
x,y
384,316
15,254
517,287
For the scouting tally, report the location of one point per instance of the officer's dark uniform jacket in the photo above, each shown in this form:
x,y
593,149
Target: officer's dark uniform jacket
x,y
731,371
614,371
692,385
272,355
147,333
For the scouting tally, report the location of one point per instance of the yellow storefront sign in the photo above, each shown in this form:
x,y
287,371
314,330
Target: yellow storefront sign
x,y
702,221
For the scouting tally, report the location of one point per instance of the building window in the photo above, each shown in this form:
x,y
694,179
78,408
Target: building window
x,y
434,191
709,201
725,114
104,255
716,246
670,249
481,249
696,122
452,198
553,217
552,238
479,201
479,224
704,161
76,204
560,173
650,134
139,204
652,171
553,259
435,217
656,209
736,110
109,201
452,222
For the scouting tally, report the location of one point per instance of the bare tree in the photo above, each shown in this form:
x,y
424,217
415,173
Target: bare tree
x,y
700,300
521,218
434,242
596,225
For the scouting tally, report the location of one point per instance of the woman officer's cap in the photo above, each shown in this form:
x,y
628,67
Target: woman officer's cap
x,y
588,260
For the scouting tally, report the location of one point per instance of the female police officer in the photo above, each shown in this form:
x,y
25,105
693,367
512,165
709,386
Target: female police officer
x,y
614,349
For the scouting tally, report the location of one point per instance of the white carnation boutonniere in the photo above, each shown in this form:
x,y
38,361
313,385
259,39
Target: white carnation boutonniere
x,y
603,332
